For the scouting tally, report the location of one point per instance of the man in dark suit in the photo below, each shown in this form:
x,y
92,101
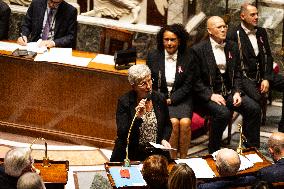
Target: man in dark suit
x,y
53,21
228,163
275,172
5,12
218,85
257,65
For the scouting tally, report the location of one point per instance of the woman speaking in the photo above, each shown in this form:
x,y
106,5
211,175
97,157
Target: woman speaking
x,y
152,122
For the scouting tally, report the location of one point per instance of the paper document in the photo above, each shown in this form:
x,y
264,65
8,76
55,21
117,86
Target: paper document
x,y
199,166
245,163
254,158
34,47
160,146
104,59
6,46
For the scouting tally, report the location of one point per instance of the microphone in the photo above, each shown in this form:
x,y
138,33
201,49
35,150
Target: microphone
x,y
148,97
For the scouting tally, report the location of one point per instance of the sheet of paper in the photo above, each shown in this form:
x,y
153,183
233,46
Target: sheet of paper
x,y
161,146
34,47
61,52
199,166
104,59
254,158
6,46
245,163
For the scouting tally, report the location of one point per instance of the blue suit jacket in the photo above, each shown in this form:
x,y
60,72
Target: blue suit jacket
x,y
229,182
273,173
65,24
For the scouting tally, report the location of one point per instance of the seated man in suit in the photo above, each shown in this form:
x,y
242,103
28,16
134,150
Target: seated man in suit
x,y
257,64
5,12
275,172
53,21
228,163
218,85
16,162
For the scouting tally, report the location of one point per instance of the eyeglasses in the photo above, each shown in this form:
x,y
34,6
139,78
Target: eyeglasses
x,y
222,27
145,83
170,39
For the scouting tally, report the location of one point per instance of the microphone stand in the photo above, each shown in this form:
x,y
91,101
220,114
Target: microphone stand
x,y
126,160
45,160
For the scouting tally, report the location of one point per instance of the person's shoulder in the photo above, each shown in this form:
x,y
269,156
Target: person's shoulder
x,y
200,45
68,6
153,53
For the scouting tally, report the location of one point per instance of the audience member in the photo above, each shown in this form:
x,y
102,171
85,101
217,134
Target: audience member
x,y
219,85
53,21
228,163
152,122
17,162
257,59
182,177
261,185
275,172
5,12
172,73
30,181
155,172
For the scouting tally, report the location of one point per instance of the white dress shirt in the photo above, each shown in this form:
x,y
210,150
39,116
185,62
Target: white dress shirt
x,y
219,54
170,69
252,37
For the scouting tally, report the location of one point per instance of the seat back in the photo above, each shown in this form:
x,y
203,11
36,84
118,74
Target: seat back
x,y
113,39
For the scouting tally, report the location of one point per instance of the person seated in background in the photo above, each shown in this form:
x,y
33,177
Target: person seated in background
x,y
5,13
172,75
17,161
275,172
218,86
155,172
53,21
150,113
181,177
30,181
228,163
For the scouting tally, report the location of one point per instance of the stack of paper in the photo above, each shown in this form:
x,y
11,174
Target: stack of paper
x,y
199,166
245,163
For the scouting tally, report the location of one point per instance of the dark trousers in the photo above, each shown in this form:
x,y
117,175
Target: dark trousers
x,y
249,109
278,85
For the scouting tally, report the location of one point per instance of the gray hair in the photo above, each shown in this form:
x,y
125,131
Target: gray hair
x,y
16,160
228,162
30,181
137,73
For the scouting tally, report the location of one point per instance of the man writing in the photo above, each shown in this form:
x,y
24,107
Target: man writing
x,y
218,85
53,21
257,61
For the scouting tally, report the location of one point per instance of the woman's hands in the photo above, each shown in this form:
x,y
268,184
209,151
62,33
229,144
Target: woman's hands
x,y
166,144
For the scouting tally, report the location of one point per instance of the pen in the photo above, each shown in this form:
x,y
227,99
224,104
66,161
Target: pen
x,y
23,38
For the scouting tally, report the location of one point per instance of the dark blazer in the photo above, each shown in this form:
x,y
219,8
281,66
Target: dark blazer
x,y
229,182
6,181
182,86
5,12
65,24
206,68
272,173
124,115
249,57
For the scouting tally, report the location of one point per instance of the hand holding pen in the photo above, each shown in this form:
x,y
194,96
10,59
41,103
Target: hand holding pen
x,y
22,40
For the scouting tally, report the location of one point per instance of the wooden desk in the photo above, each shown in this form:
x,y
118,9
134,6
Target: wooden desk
x,y
55,176
60,102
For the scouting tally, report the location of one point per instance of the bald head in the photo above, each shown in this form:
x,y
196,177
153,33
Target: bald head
x,y
276,145
217,28
228,162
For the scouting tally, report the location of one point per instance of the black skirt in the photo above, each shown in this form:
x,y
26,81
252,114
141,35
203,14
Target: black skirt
x,y
181,110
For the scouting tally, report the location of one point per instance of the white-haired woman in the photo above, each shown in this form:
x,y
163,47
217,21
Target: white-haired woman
x,y
152,123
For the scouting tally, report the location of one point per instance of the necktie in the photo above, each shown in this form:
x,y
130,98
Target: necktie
x,y
221,46
47,25
171,57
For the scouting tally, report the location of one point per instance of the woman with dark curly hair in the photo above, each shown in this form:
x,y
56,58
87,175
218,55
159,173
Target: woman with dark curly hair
x,y
172,74
155,172
182,177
